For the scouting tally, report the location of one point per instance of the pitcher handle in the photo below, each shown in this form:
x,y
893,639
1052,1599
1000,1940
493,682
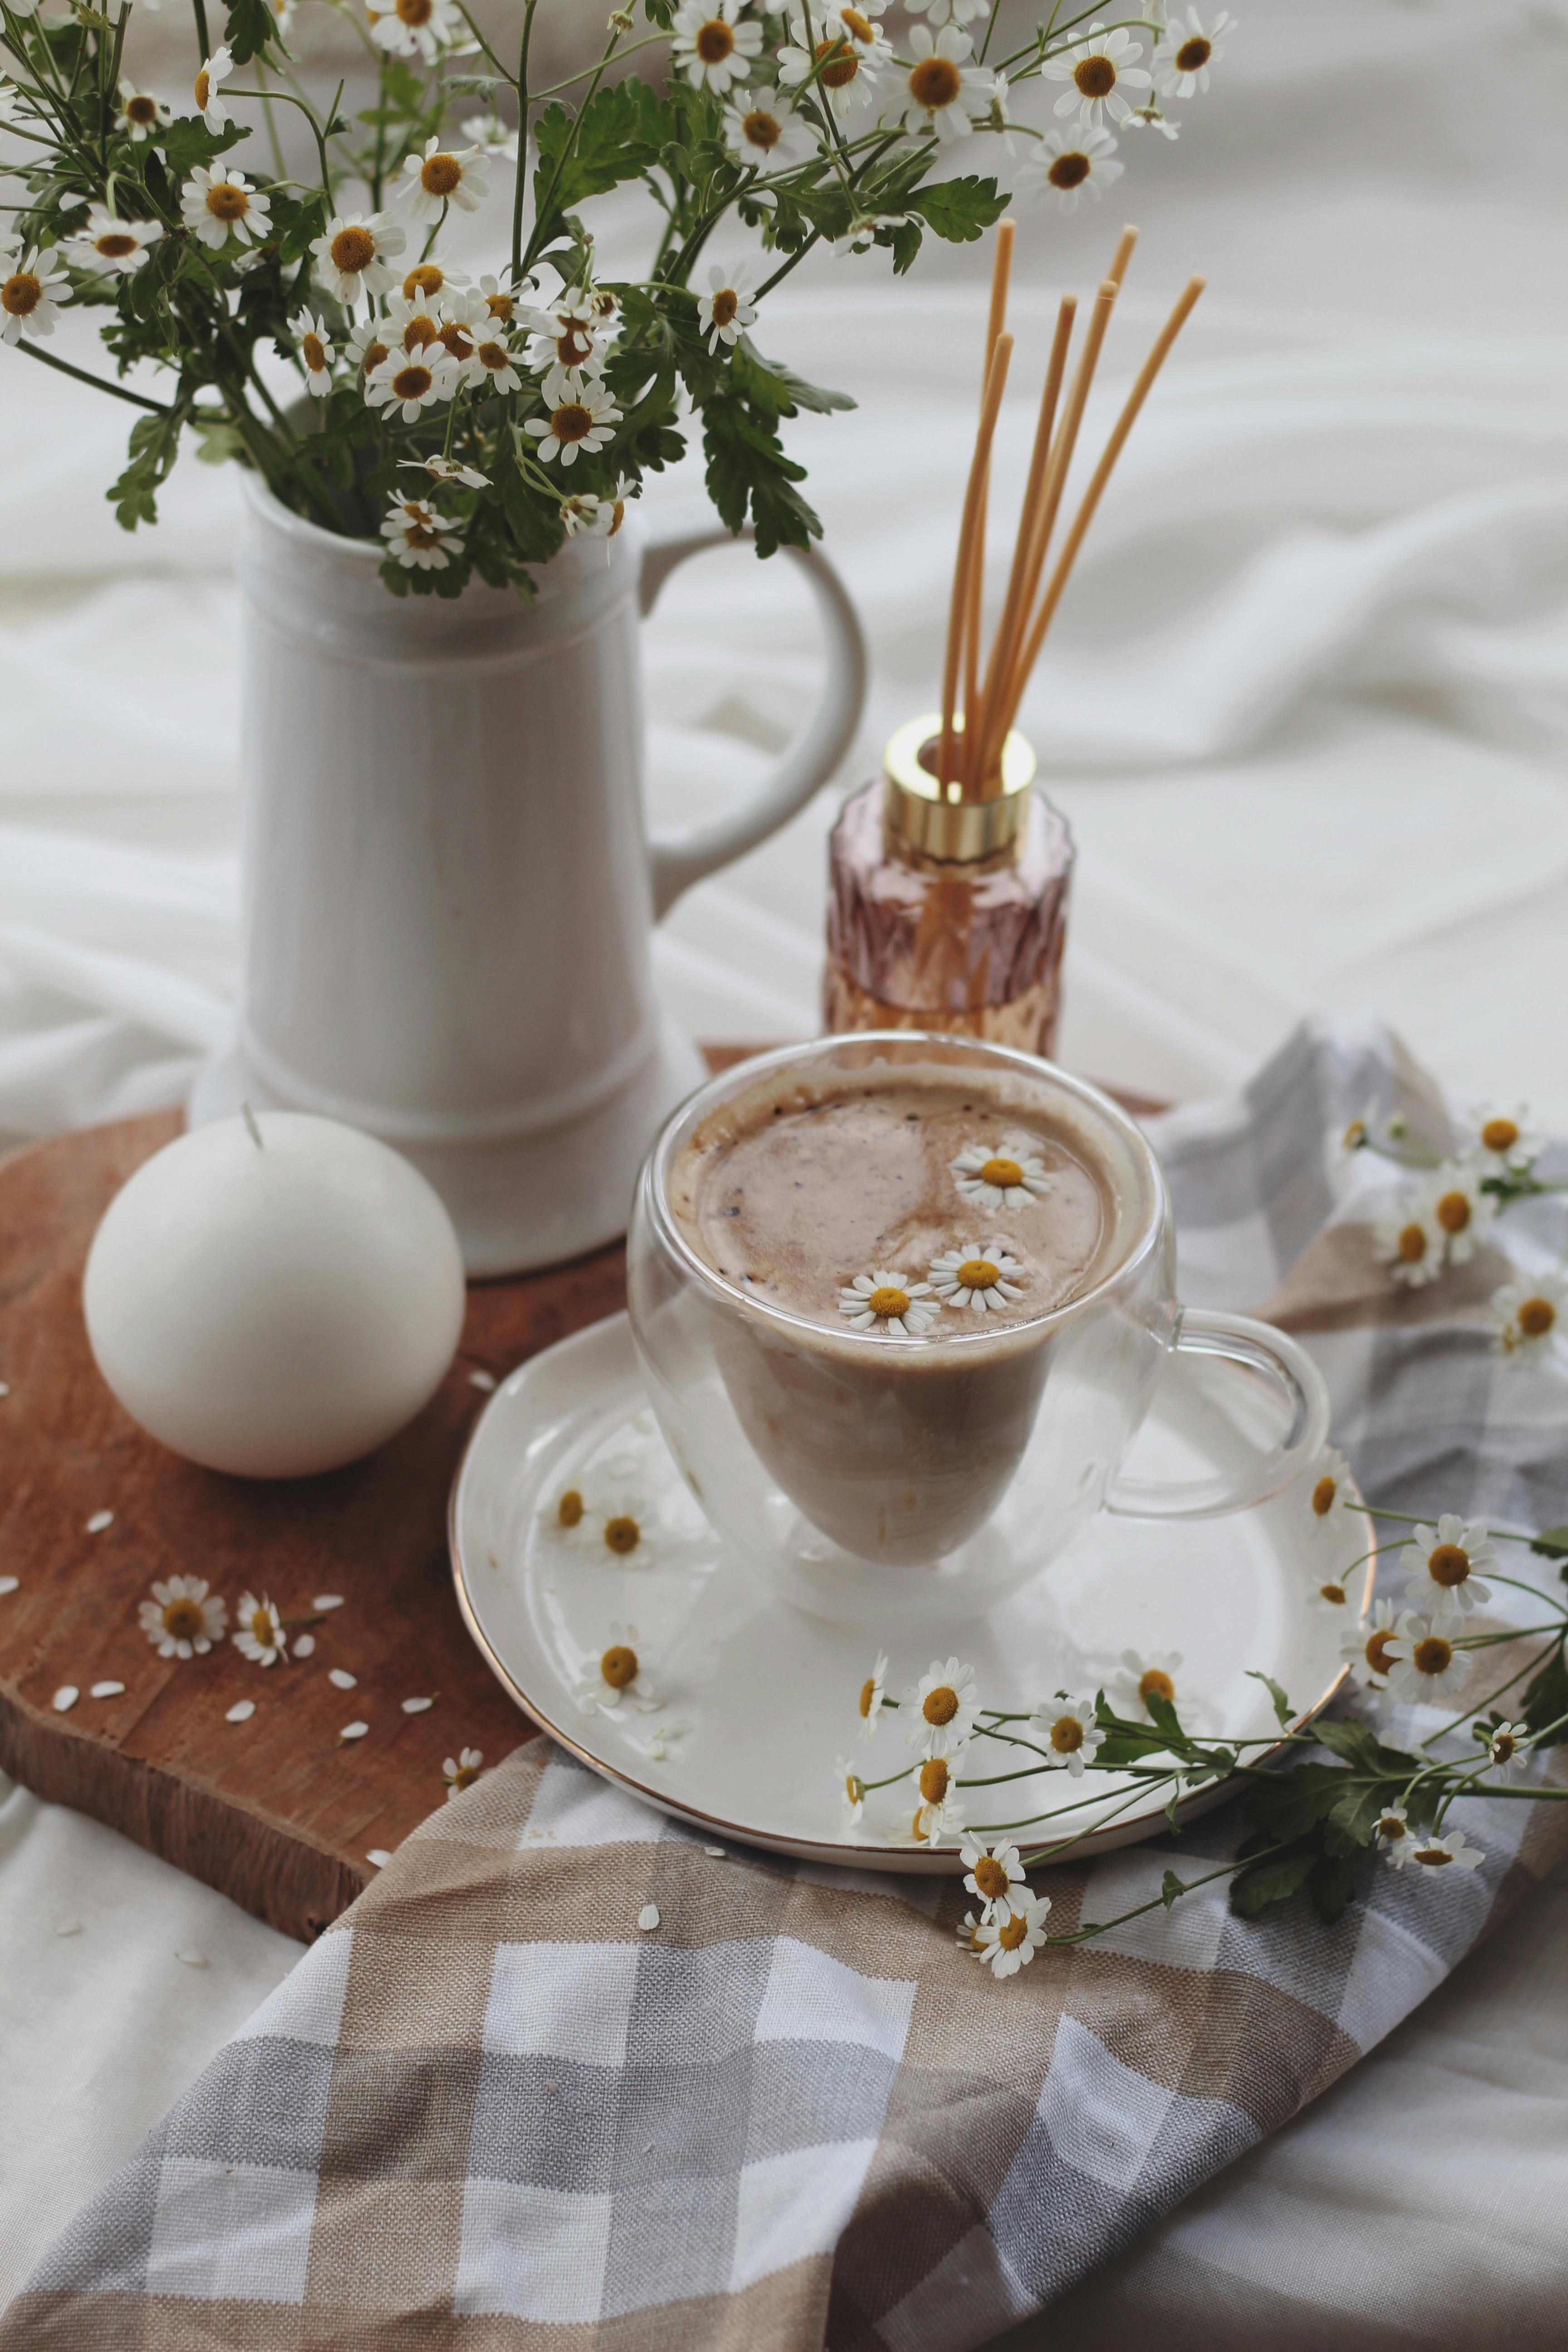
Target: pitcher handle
x,y
1262,1352
681,854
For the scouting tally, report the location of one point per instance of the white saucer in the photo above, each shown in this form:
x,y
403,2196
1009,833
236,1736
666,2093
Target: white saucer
x,y
757,1701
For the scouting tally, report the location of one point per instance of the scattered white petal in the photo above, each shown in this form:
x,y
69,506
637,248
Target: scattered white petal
x,y
304,1645
241,1711
65,1697
416,1706
485,1380
9,1583
99,1521
379,1855
4,1387
342,1678
327,1600
68,1927
107,1690
647,1917
353,1731
191,1959
717,1852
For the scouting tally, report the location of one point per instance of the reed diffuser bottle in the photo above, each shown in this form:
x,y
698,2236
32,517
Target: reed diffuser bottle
x,y
949,875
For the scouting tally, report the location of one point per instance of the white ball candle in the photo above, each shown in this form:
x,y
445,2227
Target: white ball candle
x,y
274,1294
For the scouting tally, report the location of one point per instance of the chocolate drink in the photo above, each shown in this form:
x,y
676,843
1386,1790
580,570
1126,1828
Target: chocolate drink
x,y
908,1226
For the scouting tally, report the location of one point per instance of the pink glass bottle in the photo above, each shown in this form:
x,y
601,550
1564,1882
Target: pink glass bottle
x,y
945,913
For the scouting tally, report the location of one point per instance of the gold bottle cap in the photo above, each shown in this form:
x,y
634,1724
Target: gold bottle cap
x,y
934,818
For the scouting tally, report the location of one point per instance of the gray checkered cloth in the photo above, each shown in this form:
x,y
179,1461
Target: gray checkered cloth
x,y
484,2113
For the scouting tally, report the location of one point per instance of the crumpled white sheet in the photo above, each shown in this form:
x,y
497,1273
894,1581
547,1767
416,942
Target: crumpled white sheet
x,y
1307,707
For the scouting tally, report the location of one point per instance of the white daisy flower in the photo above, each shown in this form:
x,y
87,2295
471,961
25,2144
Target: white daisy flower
x,y
405,383
991,1873
418,538
315,351
448,469
942,1707
846,81
948,12
1331,1595
617,1676
863,236
938,1818
1143,1678
355,252
724,312
1393,1837
873,1697
968,1935
412,322
1330,1493
1010,1941
1099,70
764,129
1067,1727
183,1618
409,29
430,279
464,320
1505,1745
494,364
584,419
886,1296
258,1631
585,515
1148,118
284,10
967,1276
1461,1211
1364,1648
442,176
997,116
460,1771
217,203
854,26
1410,1242
566,341
1440,1564
713,46
1527,1316
211,104
1185,52
367,344
490,134
852,1789
625,1526
141,115
1005,1176
940,92
1435,1853
1072,165
1424,1666
107,243
31,296
1505,1145
499,300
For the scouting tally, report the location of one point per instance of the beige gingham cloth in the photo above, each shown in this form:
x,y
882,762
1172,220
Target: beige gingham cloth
x,y
487,2113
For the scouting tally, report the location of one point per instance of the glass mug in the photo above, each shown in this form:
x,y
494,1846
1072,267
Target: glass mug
x,y
855,1470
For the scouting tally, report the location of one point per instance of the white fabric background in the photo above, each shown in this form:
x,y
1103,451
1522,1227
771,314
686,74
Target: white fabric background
x,y
1307,707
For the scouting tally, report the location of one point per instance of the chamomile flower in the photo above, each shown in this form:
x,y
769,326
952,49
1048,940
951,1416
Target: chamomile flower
x,y
409,29
940,89
31,296
464,320
1148,118
761,128
368,345
1505,1747
724,312
1185,51
105,242
1329,1494
845,77
491,136
1365,1650
406,384
1393,1837
1441,1853
886,1298
617,1676
991,1873
585,515
1504,1145
216,204
714,44
1440,1564
942,1707
566,341
1000,1176
418,538
938,1818
996,116
442,176
1410,1242
211,104
411,325
584,419
1527,1316
1143,1678
873,1697
1009,1942
936,1778
981,1279
430,279
1461,1211
258,1631
354,255
494,365
449,469
1075,166
183,1618
315,351
1425,1669
968,1935
852,1790
460,1771
499,300
1332,1594
141,115
1098,71
1067,1727
948,12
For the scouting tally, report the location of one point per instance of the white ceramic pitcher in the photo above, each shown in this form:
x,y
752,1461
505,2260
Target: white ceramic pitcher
x,y
448,889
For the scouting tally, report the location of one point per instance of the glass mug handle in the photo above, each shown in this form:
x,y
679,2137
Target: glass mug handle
x,y
680,857
1261,1351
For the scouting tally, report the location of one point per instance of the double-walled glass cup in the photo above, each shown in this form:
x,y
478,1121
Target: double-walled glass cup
x,y
858,1471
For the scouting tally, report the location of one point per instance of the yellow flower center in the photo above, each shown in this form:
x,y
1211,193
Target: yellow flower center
x,y
859,26
412,383
934,83
440,174
1504,1748
918,1826
1194,54
1449,1564
114,245
726,302
414,11
374,355
500,306
1155,1684
1001,1172
1431,1654
1453,1212
761,129
840,65
1391,1828
978,1274
1068,171
21,294
853,1788
714,41
183,1619
1433,1856
940,1705
569,1509
416,532
990,1877
202,89
261,1626
1355,1136
1411,1244
424,279
1500,1135
575,343
495,356
314,356
1536,1317
463,1775
456,339
888,1299
140,109
1376,1651
868,1693
1324,1494
1332,1594
934,1779
571,422
353,249
1095,76
1013,1930
1066,1735
620,1666
623,1535
227,203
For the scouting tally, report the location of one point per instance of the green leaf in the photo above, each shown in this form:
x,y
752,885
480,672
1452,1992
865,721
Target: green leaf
x,y
1165,1720
1259,1886
1358,1744
1333,1884
1171,1887
1287,1804
959,210
251,26
154,446
1546,1699
188,143
907,241
1552,1543
775,389
615,136
1282,1708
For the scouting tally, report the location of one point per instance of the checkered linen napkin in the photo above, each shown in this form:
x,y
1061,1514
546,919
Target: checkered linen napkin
x,y
485,2113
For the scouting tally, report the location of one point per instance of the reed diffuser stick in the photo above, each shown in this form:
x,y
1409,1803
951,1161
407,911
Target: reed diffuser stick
x,y
1001,274
979,466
